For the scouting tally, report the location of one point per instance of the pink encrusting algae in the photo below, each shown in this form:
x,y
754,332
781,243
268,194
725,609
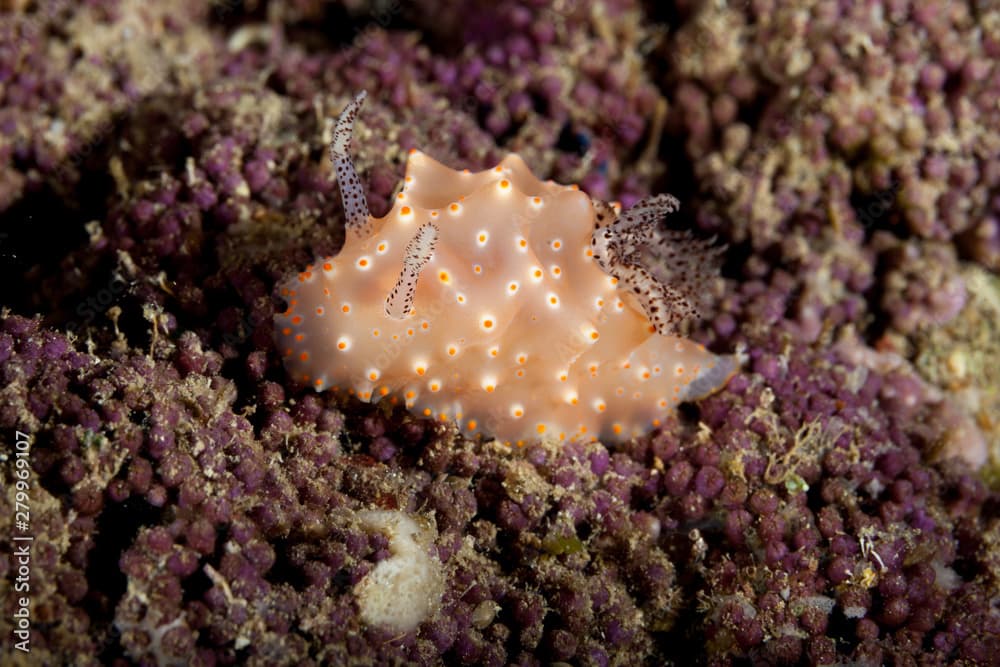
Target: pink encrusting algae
x,y
516,307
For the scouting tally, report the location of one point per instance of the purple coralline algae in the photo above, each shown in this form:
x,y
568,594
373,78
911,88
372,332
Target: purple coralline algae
x,y
164,165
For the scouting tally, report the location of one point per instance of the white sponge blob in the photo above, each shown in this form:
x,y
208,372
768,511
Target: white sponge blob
x,y
404,589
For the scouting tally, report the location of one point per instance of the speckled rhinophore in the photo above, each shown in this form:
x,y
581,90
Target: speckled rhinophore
x,y
481,298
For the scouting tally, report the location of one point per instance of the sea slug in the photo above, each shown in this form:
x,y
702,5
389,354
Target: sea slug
x,y
516,307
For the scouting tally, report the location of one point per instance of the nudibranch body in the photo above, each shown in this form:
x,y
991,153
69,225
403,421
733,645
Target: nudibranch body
x,y
516,307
